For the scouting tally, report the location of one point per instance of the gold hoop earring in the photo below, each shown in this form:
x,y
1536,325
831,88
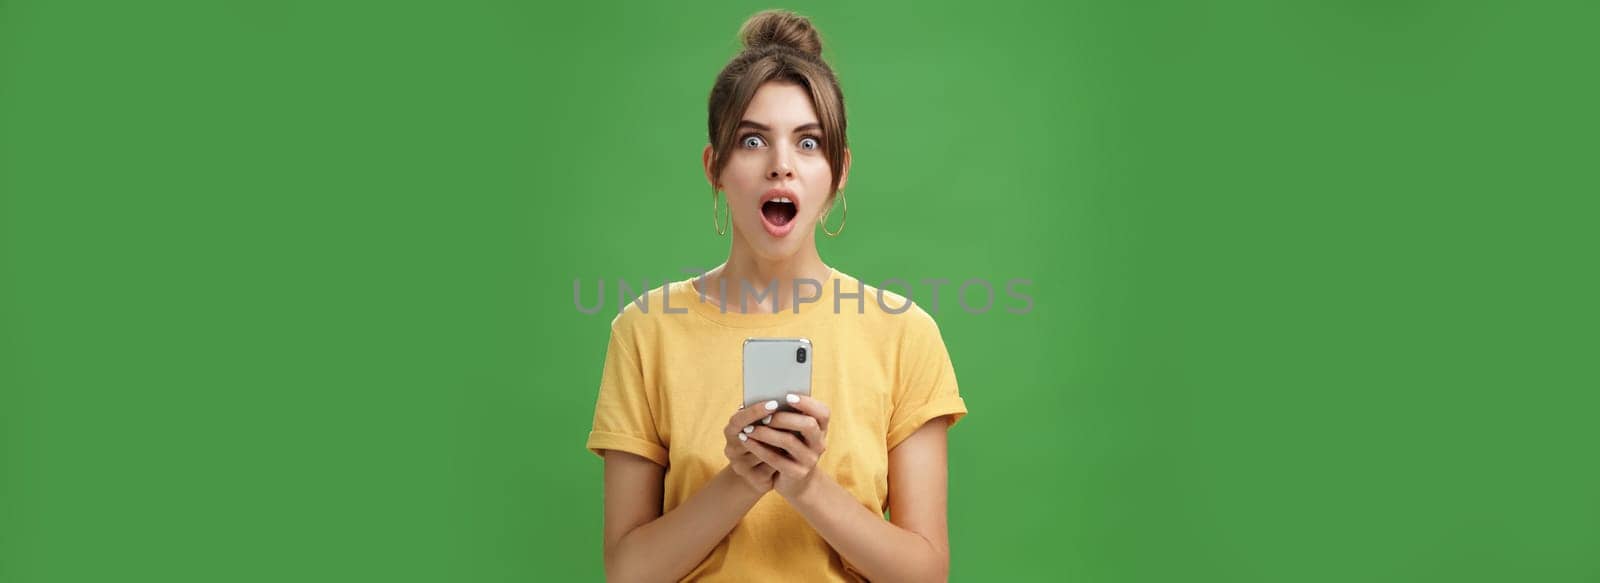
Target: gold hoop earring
x,y
720,224
844,217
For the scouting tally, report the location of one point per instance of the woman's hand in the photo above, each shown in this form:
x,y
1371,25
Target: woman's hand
x,y
757,474
794,456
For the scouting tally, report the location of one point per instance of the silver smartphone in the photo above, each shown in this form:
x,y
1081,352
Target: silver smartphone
x,y
775,367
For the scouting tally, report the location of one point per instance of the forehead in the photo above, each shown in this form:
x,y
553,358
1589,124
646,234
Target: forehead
x,y
782,106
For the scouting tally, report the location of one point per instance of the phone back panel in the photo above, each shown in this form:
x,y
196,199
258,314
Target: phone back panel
x,y
772,369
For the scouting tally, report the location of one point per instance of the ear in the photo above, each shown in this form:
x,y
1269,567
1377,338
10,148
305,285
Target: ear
x,y
705,159
844,175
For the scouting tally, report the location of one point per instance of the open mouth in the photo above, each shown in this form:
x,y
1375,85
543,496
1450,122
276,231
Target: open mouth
x,y
779,211
779,208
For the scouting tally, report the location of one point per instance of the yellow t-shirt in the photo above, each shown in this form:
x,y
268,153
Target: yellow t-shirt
x,y
672,380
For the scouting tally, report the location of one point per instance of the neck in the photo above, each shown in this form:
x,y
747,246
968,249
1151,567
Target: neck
x,y
766,278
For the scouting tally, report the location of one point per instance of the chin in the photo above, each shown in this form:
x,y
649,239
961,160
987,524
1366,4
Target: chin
x,y
777,251
767,248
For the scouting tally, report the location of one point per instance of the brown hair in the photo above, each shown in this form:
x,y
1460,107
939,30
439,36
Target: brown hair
x,y
779,45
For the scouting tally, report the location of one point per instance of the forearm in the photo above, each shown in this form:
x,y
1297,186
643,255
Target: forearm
x,y
877,548
667,548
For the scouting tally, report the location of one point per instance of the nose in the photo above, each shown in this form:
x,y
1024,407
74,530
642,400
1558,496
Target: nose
x,y
781,166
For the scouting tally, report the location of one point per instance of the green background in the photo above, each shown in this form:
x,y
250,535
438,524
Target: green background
x,y
286,287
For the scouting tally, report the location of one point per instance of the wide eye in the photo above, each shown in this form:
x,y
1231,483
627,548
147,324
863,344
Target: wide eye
x,y
810,143
751,141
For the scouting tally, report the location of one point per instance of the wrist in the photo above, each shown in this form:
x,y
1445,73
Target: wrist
x,y
808,490
745,492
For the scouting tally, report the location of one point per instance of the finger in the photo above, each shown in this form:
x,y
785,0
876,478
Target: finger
x,y
755,412
772,456
787,442
806,425
811,407
748,416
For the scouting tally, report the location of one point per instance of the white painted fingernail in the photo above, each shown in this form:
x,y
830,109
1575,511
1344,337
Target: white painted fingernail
x,y
767,421
742,437
794,398
772,405
749,428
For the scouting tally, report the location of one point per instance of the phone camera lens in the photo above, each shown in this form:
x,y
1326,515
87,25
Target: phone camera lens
x,y
800,355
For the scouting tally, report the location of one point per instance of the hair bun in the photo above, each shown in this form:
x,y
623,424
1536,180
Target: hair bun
x,y
782,28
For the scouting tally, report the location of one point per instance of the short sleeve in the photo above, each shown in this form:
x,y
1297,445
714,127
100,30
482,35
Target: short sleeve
x,y
926,381
623,417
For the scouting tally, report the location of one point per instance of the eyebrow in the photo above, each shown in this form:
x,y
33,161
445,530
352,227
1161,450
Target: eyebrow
x,y
764,128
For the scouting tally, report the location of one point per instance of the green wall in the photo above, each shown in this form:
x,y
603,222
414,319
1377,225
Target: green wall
x,y
286,287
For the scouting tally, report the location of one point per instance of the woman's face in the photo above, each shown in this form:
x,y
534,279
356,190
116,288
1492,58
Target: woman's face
x,y
777,178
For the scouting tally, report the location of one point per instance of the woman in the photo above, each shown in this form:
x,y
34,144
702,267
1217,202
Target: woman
x,y
692,492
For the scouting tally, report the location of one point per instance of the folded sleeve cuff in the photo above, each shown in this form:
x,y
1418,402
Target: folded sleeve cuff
x,y
603,440
955,407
